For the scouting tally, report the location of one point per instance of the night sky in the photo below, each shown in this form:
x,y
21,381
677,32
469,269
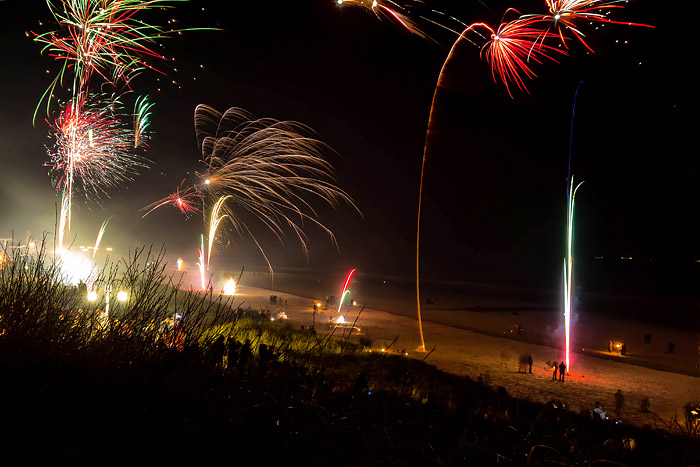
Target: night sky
x,y
494,193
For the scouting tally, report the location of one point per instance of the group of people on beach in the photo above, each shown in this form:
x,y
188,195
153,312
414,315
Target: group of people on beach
x,y
526,361
562,371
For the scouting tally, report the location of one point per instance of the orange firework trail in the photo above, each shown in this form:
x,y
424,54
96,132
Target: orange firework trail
x,y
394,12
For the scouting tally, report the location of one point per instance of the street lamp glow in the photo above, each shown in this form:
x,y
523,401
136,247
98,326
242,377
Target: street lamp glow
x,y
122,296
92,295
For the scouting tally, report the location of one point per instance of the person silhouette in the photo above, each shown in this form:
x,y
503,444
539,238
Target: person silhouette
x,y
619,400
562,370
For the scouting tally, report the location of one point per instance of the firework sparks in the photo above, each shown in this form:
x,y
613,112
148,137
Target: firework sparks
x,y
99,236
345,288
179,264
101,37
201,264
92,146
142,114
91,153
266,168
63,219
186,201
511,47
395,13
565,14
97,38
214,220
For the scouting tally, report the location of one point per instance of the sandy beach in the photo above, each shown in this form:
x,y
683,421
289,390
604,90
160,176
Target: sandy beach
x,y
487,345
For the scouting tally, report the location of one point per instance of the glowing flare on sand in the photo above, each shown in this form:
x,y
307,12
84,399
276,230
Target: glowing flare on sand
x,y
230,287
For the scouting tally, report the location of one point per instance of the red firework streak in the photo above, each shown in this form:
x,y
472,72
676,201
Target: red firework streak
x,y
512,47
345,287
564,14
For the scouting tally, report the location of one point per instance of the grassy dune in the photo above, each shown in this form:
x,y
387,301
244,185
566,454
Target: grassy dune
x,y
140,387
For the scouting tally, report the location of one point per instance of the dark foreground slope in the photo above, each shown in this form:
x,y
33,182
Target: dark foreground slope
x,y
140,387
301,408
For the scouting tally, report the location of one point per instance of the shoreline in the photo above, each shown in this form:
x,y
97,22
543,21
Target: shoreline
x,y
494,359
539,323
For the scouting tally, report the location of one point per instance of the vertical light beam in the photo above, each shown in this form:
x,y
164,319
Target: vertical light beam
x,y
201,263
569,267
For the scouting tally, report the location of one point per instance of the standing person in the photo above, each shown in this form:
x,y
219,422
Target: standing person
x,y
619,400
562,370
529,362
244,355
232,346
554,372
645,405
216,352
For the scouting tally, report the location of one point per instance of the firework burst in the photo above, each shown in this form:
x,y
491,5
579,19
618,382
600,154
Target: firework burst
x,y
215,219
187,201
511,49
267,168
101,37
99,236
564,15
93,148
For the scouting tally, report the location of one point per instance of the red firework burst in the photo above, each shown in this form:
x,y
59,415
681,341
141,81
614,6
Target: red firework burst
x,y
187,201
511,49
565,14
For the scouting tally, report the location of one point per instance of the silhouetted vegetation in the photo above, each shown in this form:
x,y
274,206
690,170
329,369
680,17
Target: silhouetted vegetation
x,y
177,375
